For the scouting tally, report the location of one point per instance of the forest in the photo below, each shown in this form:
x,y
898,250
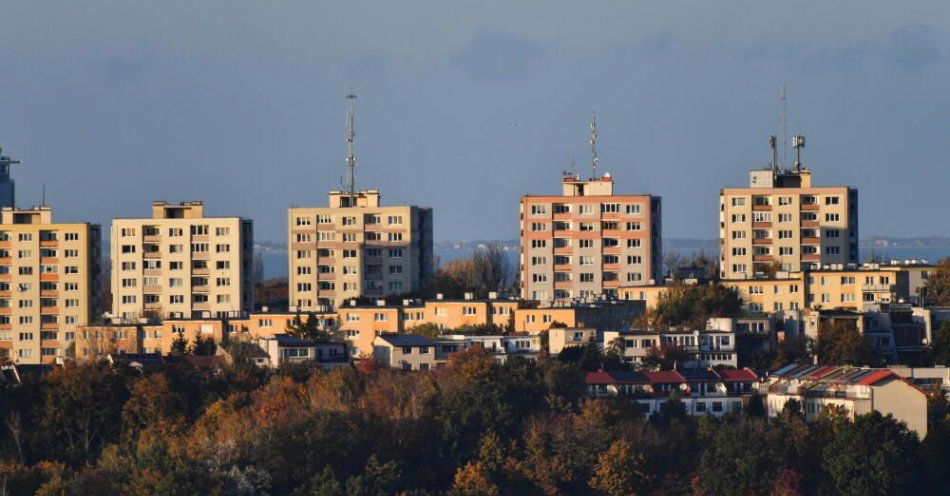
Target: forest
x,y
472,428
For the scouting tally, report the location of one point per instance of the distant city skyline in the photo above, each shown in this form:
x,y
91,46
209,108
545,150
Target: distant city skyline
x,y
241,105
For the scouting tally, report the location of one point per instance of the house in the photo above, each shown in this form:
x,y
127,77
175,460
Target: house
x,y
855,390
410,351
284,349
501,347
700,391
135,360
566,337
248,351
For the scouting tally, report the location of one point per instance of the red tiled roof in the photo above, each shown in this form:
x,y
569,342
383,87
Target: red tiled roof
x,y
740,375
875,377
664,376
600,377
822,371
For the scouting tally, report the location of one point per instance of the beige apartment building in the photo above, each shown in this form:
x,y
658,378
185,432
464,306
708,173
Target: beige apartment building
x,y
783,223
588,242
49,281
181,264
356,247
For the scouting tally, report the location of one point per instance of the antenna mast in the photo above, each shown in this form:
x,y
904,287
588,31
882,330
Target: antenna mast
x,y
784,117
798,142
593,145
351,145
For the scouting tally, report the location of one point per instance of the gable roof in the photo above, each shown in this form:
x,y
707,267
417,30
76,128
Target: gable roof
x,y
737,375
406,340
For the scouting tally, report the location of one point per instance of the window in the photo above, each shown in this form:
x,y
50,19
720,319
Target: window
x,y
395,253
175,232
539,226
634,243
634,260
586,226
222,248
832,217
633,226
72,236
394,236
538,209
784,217
832,233
587,277
199,230
586,243
738,202
832,200
222,231
832,250
395,269
394,220
349,221
633,209
128,248
609,208
587,260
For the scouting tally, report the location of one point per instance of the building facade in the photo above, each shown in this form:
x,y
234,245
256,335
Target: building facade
x,y
587,242
49,284
181,264
781,222
356,247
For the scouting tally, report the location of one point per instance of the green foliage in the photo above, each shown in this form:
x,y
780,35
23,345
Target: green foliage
x,y
936,291
203,346
692,305
840,343
308,329
180,344
887,465
941,351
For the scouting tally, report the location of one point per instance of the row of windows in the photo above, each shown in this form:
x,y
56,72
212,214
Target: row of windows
x,y
739,201
44,236
586,243
368,219
196,230
587,208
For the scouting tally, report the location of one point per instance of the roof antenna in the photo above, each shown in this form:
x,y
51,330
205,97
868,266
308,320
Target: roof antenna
x,y
784,117
43,201
798,142
351,145
773,144
593,145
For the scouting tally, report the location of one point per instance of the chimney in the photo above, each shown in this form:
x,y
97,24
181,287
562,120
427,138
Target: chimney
x,y
439,296
469,296
264,309
493,295
380,303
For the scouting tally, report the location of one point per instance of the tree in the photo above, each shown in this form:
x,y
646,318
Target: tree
x,y
936,291
203,346
664,357
307,329
620,471
488,269
692,305
840,343
790,350
941,350
859,466
180,344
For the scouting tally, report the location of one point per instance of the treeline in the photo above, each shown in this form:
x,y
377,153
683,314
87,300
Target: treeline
x,y
472,428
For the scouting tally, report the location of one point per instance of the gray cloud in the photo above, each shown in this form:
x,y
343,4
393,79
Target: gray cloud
x,y
499,56
914,46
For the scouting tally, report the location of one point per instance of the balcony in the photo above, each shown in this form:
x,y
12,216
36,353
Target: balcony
x,y
761,241
763,258
47,293
877,288
49,310
810,207
810,223
49,277
564,250
49,243
811,241
761,224
203,288
761,208
811,257
152,238
152,254
49,261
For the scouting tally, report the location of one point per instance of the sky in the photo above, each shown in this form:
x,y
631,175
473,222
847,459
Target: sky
x,y
464,106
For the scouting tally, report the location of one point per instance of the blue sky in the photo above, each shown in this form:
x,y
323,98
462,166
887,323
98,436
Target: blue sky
x,y
464,106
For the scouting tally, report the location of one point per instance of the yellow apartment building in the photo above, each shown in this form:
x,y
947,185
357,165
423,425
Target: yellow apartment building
x,y
781,222
356,247
181,264
49,281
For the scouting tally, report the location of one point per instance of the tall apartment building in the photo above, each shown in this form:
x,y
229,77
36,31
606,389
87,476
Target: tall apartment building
x,y
49,275
356,247
7,186
782,222
181,264
588,242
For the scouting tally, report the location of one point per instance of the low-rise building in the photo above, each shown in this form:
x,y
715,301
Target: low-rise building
x,y
560,338
406,351
701,392
283,349
601,315
856,391
701,349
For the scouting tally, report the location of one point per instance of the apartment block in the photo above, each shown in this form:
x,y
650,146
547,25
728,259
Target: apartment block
x,y
181,264
49,275
783,223
587,242
355,248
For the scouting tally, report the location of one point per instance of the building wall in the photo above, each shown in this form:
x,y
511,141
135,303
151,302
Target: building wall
x,y
338,253
49,282
904,401
623,233
757,224
189,266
